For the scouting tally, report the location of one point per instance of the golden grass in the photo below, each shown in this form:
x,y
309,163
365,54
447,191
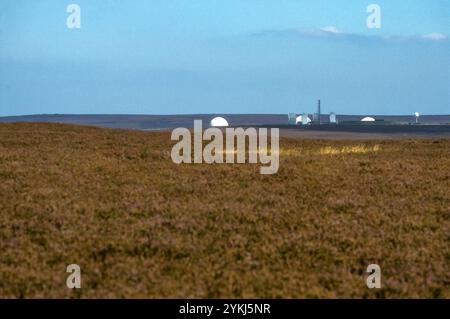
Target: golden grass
x,y
351,149
326,150
331,150
139,225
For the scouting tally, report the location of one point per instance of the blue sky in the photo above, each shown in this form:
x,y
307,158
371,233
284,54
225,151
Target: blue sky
x,y
233,56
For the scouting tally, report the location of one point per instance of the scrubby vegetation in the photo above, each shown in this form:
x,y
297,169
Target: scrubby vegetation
x,y
138,225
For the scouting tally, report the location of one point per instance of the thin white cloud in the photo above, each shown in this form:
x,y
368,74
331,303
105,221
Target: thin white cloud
x,y
335,32
435,36
331,29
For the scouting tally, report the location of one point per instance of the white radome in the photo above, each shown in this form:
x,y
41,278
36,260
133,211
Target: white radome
x,y
299,120
417,114
368,119
219,122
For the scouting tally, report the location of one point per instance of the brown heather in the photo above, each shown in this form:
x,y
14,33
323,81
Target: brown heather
x,y
139,225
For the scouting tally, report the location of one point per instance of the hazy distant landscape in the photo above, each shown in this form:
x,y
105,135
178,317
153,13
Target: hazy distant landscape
x,y
387,127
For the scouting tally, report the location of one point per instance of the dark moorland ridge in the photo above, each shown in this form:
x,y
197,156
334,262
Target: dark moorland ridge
x,y
387,125
173,121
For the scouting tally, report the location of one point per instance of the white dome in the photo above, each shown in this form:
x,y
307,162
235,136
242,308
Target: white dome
x,y
219,122
368,119
299,119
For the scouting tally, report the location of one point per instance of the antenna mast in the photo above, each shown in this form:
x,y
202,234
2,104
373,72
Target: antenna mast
x,y
318,112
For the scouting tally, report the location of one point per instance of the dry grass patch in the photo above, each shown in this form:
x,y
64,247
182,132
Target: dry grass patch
x,y
139,225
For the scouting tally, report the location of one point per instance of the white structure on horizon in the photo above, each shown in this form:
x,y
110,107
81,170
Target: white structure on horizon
x,y
219,122
333,119
303,119
368,119
417,115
